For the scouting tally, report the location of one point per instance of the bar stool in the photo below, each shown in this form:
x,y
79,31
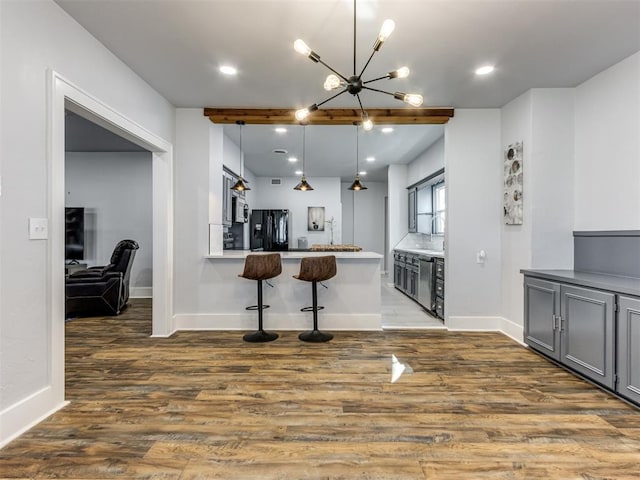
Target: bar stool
x,y
261,267
314,270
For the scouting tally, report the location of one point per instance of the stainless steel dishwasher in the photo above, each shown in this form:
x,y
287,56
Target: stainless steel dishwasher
x,y
426,287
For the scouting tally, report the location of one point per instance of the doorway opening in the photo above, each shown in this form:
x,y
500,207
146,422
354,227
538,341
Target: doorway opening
x,y
66,97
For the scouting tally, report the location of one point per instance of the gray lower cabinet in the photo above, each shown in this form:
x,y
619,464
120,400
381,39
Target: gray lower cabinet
x,y
572,325
629,348
541,312
587,334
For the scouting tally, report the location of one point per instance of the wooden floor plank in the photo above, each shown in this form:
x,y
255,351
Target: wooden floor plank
x,y
206,405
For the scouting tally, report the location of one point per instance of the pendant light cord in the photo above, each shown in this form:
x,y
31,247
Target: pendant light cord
x,y
304,143
240,124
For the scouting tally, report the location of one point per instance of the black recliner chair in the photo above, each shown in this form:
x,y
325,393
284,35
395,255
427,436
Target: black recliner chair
x,y
104,290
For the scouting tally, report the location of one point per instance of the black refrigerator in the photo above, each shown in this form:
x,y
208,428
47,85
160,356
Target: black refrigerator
x,y
269,230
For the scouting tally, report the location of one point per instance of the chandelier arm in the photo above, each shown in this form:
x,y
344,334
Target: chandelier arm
x,y
361,107
367,64
333,70
376,79
377,90
331,98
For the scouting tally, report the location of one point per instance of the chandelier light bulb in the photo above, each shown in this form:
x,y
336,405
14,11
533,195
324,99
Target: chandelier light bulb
x,y
386,30
413,99
302,47
403,72
367,125
304,112
331,83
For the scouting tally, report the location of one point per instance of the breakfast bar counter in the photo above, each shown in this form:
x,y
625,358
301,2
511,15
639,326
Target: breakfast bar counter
x,y
352,299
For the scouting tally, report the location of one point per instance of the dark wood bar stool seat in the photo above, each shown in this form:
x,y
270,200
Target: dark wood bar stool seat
x,y
314,270
261,267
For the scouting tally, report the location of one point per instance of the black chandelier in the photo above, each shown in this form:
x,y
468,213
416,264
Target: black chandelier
x,y
355,84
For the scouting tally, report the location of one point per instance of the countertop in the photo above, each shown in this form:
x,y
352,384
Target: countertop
x,y
241,254
419,251
602,281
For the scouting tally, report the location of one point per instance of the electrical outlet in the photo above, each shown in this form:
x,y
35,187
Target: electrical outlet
x,y
38,229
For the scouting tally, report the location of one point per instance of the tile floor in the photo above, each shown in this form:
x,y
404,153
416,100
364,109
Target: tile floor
x,y
400,312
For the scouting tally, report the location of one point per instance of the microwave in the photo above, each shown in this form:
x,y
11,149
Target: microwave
x,y
240,210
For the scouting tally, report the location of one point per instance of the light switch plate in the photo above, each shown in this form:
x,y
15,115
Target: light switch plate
x,y
38,229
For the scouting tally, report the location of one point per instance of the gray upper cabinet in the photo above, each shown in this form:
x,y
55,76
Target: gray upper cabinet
x,y
227,195
542,311
413,221
587,332
573,325
629,348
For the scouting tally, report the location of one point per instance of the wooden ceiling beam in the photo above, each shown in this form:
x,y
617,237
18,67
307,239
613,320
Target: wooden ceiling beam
x,y
335,116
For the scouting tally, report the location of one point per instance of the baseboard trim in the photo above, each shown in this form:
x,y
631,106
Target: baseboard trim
x,y
27,413
278,321
487,324
141,292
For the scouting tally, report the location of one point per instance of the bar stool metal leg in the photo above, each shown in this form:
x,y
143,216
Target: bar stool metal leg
x,y
260,336
314,335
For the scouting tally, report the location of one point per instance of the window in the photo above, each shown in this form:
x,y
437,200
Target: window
x,y
439,207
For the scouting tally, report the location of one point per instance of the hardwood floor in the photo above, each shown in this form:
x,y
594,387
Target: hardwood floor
x,y
205,405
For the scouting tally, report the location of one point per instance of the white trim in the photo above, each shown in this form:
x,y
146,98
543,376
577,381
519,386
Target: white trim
x,y
277,321
486,324
63,94
141,292
25,414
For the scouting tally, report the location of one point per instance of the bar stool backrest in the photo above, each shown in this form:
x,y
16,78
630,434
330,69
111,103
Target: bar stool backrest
x,y
317,269
262,266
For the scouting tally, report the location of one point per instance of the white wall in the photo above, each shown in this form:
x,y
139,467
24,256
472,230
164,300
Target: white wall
x,y
366,214
115,189
428,162
543,119
474,201
552,155
607,149
35,37
198,202
398,208
326,193
516,239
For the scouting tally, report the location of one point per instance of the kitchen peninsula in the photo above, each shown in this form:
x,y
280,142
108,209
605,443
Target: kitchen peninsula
x,y
352,299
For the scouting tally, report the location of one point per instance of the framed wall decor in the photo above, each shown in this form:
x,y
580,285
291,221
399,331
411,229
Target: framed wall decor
x,y
315,219
513,185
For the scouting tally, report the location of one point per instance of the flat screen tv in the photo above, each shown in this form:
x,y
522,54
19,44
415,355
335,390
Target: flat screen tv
x,y
74,234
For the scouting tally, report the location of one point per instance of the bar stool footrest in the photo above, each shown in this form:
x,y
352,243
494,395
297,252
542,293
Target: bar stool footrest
x,y
315,336
257,307
310,309
260,337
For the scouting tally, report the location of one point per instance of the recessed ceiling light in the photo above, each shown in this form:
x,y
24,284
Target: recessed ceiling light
x,y
485,70
371,159
228,70
387,130
362,172
293,159
281,130
298,172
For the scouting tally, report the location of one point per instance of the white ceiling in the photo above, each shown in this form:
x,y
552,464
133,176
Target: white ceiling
x,y
177,46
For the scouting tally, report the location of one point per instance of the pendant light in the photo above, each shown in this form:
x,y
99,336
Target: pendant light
x,y
303,186
240,185
355,84
357,185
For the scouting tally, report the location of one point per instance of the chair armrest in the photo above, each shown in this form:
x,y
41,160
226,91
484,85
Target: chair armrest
x,y
92,272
